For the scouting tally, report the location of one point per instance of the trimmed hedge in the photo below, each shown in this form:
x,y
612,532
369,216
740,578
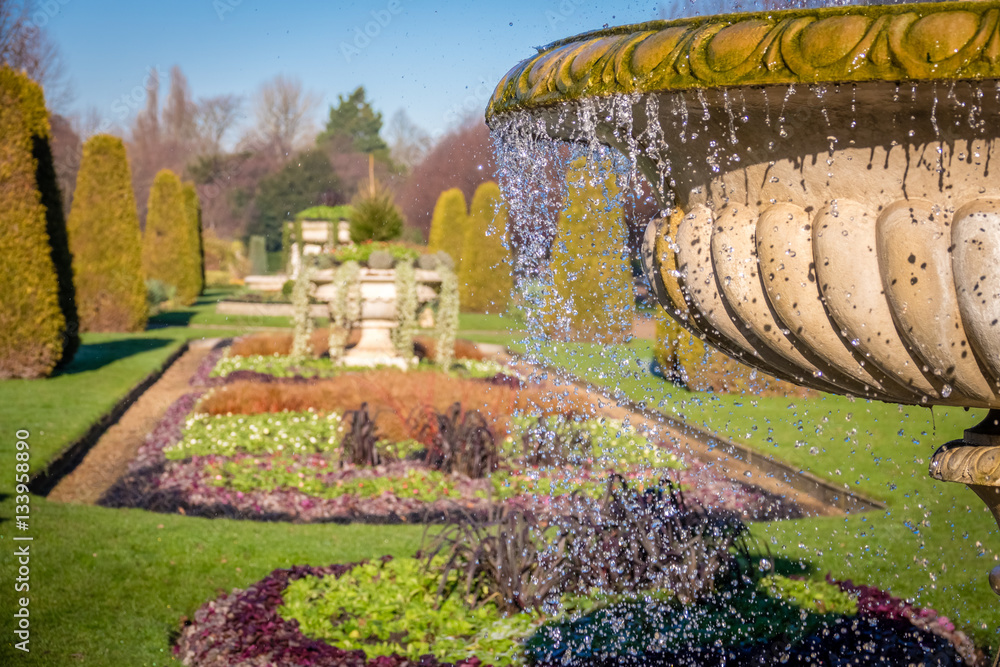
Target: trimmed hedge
x,y
62,259
448,225
33,332
485,280
105,240
169,251
193,207
592,296
257,254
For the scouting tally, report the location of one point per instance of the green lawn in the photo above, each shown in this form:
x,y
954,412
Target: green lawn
x,y
110,587
58,410
202,313
924,546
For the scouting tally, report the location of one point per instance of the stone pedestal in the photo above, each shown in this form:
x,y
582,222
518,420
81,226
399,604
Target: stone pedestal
x,y
375,347
975,462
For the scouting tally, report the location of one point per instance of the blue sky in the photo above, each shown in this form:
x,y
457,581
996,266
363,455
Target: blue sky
x,y
434,59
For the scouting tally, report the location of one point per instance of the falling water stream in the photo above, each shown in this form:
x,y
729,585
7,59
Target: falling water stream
x,y
689,148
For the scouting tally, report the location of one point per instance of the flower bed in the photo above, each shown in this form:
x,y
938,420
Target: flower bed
x,y
389,613
285,366
287,466
267,447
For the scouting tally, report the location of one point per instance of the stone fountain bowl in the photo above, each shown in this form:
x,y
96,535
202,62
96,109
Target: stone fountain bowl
x,y
377,290
833,179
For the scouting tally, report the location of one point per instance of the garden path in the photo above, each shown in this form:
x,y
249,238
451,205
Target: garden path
x,y
109,458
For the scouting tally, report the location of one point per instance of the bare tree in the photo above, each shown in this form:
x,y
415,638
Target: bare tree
x,y
408,142
281,110
216,116
25,45
67,151
463,158
146,127
180,113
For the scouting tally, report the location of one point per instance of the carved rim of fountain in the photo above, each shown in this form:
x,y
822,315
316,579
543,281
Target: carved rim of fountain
x,y
911,42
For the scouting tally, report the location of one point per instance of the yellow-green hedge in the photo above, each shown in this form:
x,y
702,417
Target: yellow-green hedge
x,y
193,207
105,240
33,332
448,224
485,280
169,250
592,297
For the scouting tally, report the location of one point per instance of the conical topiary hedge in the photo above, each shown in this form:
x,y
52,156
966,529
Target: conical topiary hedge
x,y
592,292
485,281
169,251
33,327
193,206
105,240
448,224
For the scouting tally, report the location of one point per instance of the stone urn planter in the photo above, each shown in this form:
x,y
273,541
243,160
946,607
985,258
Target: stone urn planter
x,y
831,188
379,315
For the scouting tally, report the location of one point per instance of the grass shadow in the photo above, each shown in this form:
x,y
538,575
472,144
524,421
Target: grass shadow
x,y
97,355
171,318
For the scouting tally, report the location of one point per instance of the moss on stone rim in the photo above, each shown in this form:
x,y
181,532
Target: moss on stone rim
x,y
913,42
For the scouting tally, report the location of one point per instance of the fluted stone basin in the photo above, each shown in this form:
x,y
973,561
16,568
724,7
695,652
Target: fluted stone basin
x,y
831,182
378,310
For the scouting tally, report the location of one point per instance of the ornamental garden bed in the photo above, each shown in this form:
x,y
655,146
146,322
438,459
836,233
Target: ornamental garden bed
x,y
271,438
643,578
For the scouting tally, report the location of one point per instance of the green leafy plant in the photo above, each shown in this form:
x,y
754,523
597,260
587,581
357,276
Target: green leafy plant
x,y
158,293
448,223
592,443
392,606
281,471
287,432
302,319
818,597
345,307
406,310
485,271
360,252
446,322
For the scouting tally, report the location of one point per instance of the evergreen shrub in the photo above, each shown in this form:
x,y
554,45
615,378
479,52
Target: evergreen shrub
x,y
106,242
258,255
448,224
375,217
193,207
169,251
485,280
33,331
592,291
